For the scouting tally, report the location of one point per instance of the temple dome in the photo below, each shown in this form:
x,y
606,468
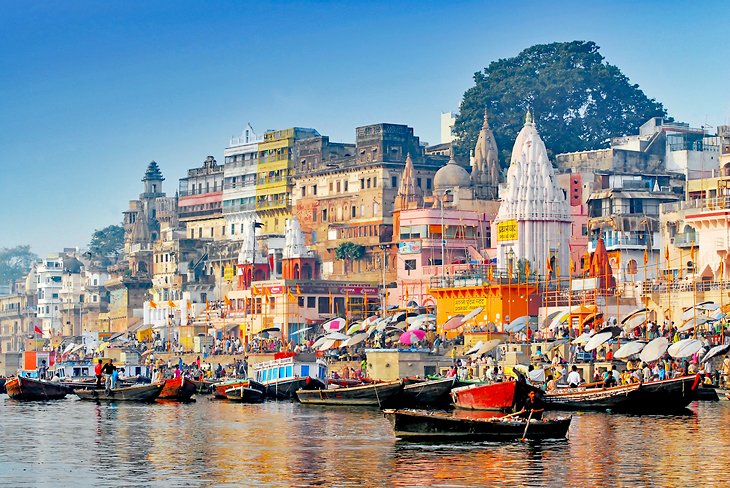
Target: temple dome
x,y
451,176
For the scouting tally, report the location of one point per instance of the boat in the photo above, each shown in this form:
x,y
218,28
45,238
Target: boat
x,y
244,394
421,425
667,395
707,394
203,386
427,392
2,384
501,396
374,394
24,388
616,398
137,393
289,372
219,389
180,389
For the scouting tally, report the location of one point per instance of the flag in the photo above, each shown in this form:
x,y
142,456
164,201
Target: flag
x,y
266,294
227,300
490,273
254,290
646,257
171,304
666,252
527,270
207,304
549,266
188,304
37,330
572,266
153,304
405,294
722,269
291,295
299,292
509,272
692,254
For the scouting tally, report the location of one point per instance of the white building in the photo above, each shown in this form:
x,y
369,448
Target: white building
x,y
239,183
533,222
448,120
49,276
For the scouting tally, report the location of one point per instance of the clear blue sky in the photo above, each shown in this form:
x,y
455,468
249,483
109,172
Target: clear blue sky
x,y
92,91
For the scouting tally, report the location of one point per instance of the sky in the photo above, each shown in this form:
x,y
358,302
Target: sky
x,y
91,92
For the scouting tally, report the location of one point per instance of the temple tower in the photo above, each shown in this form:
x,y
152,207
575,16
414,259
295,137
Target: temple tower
x,y
485,173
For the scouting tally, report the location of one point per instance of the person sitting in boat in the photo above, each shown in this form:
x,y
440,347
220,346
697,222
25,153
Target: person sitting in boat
x,y
574,379
551,385
608,379
42,370
534,407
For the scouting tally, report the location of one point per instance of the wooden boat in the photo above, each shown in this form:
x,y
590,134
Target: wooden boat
x,y
203,386
616,398
420,425
23,388
374,394
244,394
138,393
503,396
667,395
707,394
2,384
289,372
427,392
180,389
219,389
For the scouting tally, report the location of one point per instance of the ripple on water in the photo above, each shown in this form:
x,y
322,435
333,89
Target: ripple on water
x,y
212,443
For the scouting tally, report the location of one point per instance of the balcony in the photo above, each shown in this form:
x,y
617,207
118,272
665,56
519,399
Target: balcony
x,y
614,243
709,204
271,205
244,207
686,239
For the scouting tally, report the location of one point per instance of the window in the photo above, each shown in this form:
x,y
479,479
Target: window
x,y
314,189
223,230
410,264
368,182
200,233
338,187
584,230
304,191
345,185
394,182
375,182
324,215
314,215
362,210
323,305
233,229
354,211
331,186
362,183
428,183
418,182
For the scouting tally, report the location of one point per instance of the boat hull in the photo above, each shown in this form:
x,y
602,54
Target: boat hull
x,y
142,393
504,396
617,398
220,389
244,394
21,388
2,385
667,395
180,389
284,389
203,387
427,393
415,425
374,395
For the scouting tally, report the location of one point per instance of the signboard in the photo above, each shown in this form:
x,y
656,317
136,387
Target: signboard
x,y
409,247
466,305
507,230
228,273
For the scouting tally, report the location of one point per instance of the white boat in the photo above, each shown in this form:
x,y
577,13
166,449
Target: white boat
x,y
289,372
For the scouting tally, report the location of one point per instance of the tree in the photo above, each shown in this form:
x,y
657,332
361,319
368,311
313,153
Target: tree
x,y
349,251
107,242
15,262
578,100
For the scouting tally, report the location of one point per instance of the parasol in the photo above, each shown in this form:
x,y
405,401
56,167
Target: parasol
x,y
654,350
356,327
356,339
691,323
598,340
488,346
412,336
629,349
583,338
517,324
475,348
689,312
684,348
336,336
334,325
716,351
466,318
453,323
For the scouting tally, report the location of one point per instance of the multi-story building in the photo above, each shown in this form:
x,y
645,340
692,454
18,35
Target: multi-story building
x,y
49,277
17,311
351,199
72,295
200,203
239,182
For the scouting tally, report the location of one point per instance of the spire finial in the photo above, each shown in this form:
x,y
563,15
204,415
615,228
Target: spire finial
x,y
528,117
486,119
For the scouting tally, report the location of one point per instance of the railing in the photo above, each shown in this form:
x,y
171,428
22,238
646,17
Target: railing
x,y
235,186
269,181
245,207
685,239
195,191
718,203
619,242
272,204
199,213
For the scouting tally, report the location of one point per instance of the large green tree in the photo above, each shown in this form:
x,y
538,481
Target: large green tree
x,y
579,100
15,262
107,242
349,251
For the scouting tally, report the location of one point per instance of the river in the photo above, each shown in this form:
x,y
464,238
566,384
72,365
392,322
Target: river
x,y
215,443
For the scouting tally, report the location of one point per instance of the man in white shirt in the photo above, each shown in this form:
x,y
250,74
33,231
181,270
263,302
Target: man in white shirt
x,y
574,379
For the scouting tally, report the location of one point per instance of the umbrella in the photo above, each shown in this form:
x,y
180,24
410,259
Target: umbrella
x,y
319,342
597,340
329,344
334,325
716,351
412,304
466,318
336,336
68,348
356,327
691,323
654,350
684,348
370,320
517,324
356,339
583,338
300,331
420,326
453,323
615,331
629,349
102,346
551,316
488,346
559,319
412,336
474,348
556,344
708,306
690,312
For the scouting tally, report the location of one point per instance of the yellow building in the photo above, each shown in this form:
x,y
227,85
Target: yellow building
x,y
274,177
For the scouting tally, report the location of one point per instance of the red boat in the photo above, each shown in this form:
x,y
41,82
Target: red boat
x,y
22,388
180,389
502,396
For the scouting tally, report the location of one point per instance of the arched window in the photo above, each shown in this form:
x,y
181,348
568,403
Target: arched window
x,y
631,267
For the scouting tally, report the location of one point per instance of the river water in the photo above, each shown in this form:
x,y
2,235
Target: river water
x,y
215,443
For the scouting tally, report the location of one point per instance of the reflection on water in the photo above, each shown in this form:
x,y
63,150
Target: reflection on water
x,y
212,443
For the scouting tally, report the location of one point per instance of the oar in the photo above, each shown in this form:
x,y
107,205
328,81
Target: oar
x,y
529,417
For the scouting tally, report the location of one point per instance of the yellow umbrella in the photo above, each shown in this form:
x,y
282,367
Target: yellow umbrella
x,y
103,346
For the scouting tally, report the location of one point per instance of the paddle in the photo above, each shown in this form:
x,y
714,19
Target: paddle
x,y
529,417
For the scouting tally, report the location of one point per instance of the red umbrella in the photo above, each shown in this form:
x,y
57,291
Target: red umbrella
x,y
412,336
454,322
